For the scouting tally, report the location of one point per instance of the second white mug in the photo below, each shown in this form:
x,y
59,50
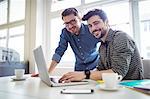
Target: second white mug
x,y
111,80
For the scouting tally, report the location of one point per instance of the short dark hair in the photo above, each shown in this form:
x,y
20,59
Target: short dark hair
x,y
69,11
98,12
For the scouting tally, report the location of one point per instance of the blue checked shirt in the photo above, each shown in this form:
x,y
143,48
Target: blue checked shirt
x,y
83,45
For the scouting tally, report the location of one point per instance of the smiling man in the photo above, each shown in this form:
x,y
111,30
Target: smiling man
x,y
119,53
82,42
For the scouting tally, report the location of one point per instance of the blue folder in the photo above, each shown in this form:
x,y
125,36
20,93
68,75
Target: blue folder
x,y
138,84
135,83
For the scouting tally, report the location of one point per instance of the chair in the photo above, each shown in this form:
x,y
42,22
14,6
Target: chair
x,y
7,68
9,61
146,67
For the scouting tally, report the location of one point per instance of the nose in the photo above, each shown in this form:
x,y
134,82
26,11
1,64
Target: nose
x,y
92,28
70,26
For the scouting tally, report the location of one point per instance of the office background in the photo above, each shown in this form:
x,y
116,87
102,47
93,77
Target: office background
x,y
25,24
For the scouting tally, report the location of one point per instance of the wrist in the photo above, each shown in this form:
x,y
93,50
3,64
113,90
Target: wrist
x,y
84,76
87,74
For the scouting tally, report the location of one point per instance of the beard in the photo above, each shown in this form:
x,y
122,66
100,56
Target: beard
x,y
103,32
73,30
99,33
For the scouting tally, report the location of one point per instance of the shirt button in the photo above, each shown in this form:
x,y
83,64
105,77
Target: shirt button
x,y
78,40
80,47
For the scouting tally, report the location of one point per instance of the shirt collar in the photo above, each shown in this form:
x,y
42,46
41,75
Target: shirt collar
x,y
82,29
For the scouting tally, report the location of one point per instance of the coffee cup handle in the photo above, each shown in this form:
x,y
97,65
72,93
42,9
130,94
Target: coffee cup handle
x,y
119,77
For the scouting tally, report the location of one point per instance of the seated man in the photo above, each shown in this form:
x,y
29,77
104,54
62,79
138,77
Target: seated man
x,y
119,53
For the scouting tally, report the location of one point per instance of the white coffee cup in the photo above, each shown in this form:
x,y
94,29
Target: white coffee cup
x,y
111,80
19,73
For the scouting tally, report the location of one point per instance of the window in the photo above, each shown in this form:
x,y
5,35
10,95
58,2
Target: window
x,y
3,11
12,15
3,36
62,4
118,18
16,40
145,27
17,10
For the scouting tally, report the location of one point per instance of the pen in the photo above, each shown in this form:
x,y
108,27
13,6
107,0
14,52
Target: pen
x,y
77,91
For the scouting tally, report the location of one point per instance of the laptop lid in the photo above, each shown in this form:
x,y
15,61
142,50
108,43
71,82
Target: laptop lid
x,y
41,65
43,73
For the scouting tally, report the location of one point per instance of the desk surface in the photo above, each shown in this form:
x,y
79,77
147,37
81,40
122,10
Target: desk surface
x,y
33,87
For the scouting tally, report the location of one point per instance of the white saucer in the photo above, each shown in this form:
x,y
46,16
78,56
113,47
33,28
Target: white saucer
x,y
102,87
20,79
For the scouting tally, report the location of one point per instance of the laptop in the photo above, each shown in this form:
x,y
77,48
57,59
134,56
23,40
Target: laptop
x,y
43,72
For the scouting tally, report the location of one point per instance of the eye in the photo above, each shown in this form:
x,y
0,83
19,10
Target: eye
x,y
96,22
89,25
72,22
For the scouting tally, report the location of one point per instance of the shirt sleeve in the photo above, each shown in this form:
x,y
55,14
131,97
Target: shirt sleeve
x,y
62,47
123,49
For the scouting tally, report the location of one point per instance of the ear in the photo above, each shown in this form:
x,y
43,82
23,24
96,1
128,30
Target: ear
x,y
106,21
80,19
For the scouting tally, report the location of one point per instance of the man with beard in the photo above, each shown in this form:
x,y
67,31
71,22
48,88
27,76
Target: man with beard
x,y
82,42
119,54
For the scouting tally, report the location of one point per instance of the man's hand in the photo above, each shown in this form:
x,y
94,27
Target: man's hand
x,y
72,76
34,75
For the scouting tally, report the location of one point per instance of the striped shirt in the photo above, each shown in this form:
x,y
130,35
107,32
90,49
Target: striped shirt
x,y
120,53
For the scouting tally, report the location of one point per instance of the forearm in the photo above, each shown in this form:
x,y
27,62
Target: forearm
x,y
97,75
52,66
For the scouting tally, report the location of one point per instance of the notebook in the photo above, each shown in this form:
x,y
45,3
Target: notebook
x,y
43,72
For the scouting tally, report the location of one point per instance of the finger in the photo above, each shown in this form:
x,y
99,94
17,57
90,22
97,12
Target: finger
x,y
66,78
61,79
65,75
69,80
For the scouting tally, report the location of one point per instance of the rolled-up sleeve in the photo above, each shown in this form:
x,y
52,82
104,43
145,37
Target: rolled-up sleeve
x,y
56,57
122,53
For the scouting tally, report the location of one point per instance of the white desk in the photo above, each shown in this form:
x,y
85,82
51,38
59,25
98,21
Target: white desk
x,y
34,88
